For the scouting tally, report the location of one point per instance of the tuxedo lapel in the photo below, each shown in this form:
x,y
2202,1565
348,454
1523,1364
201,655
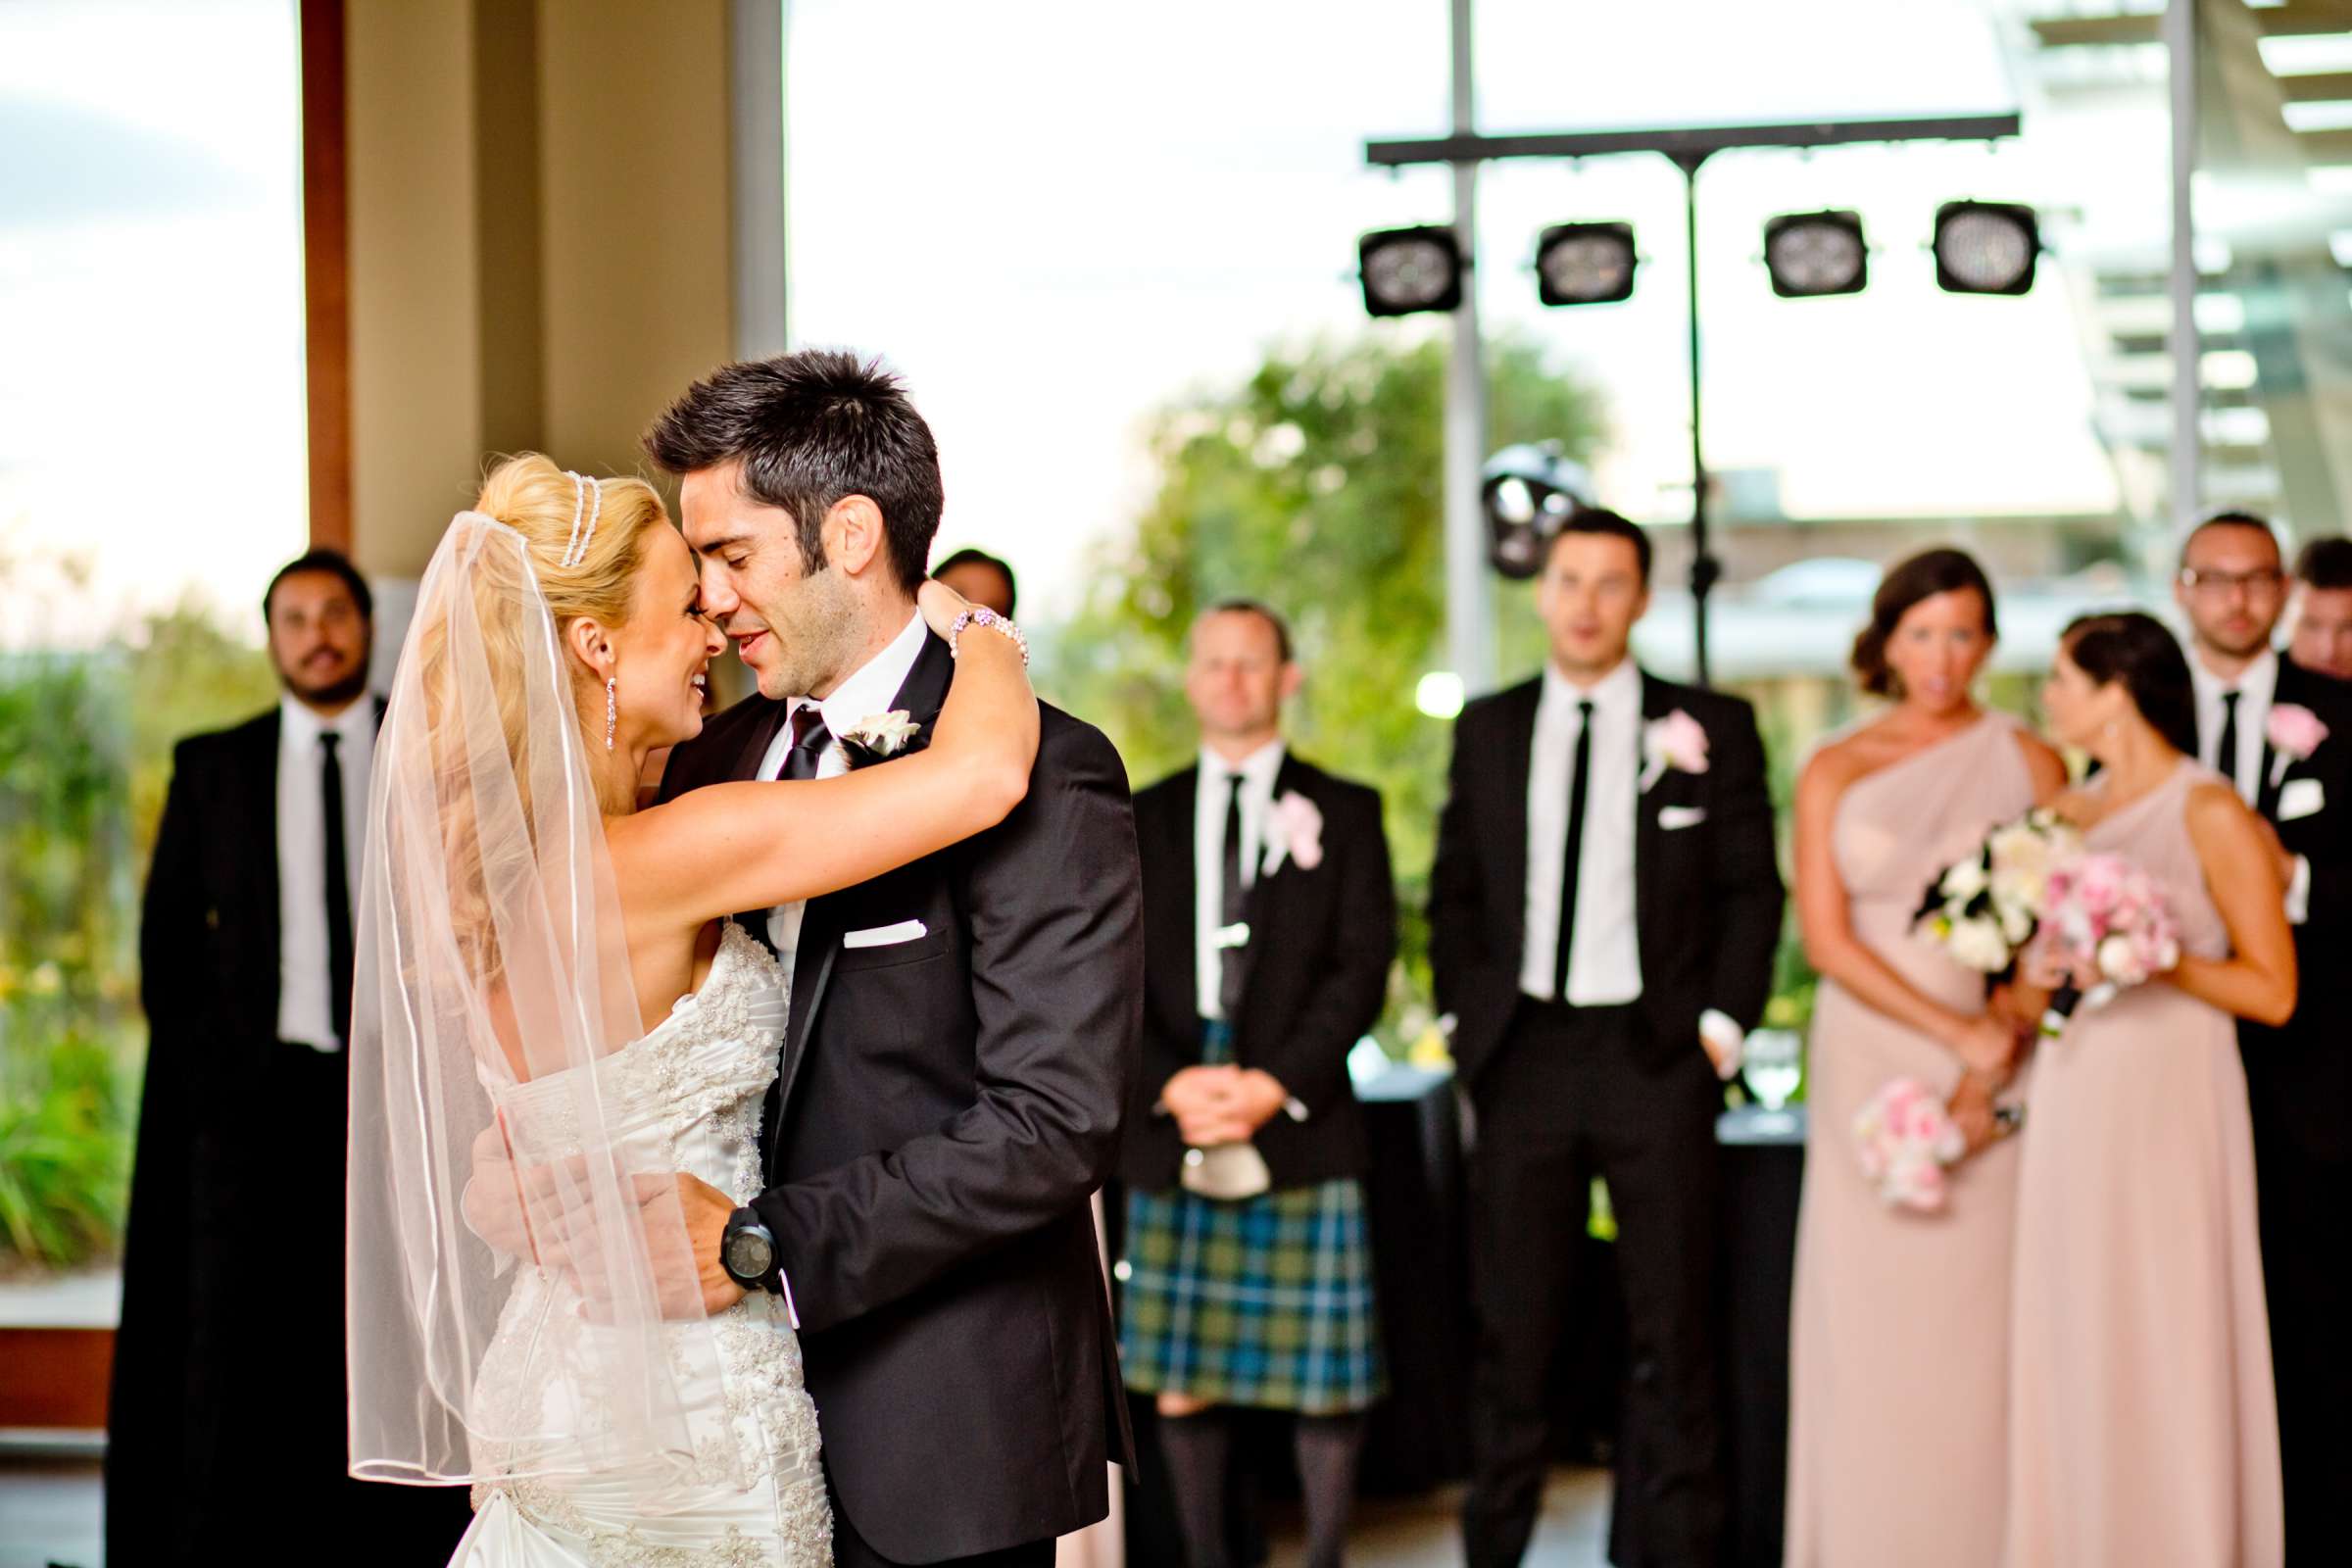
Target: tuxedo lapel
x,y
1270,895
260,784
921,693
1656,702
1511,811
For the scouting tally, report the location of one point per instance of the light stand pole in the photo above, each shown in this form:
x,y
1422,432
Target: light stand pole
x,y
1469,593
1687,147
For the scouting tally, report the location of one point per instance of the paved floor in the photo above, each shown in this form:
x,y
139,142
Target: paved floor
x,y
49,1513
1426,1533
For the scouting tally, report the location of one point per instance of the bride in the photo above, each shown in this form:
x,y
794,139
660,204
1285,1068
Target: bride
x,y
558,1030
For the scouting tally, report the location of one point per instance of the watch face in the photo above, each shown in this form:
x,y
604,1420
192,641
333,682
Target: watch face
x,y
749,1253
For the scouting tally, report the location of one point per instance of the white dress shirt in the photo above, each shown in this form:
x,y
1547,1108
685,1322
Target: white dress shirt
x,y
1604,957
1258,772
2257,686
305,989
868,692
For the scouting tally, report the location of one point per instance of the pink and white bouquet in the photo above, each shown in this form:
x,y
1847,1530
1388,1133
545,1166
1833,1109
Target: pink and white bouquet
x,y
1983,909
2108,924
1906,1140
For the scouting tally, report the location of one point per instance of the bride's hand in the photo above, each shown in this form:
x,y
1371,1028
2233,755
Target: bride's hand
x,y
940,605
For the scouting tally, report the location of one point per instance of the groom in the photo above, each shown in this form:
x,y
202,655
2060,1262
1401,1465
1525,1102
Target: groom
x,y
962,1030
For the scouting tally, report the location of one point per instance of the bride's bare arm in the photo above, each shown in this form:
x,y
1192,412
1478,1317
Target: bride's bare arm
x,y
2257,980
1984,1044
731,847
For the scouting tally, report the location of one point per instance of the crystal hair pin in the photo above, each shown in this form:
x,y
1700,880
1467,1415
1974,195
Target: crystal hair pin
x,y
576,551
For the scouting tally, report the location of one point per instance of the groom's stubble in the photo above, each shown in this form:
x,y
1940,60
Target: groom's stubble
x,y
824,628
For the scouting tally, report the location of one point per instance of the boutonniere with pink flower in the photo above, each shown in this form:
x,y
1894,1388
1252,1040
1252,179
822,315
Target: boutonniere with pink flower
x,y
878,737
2294,733
1678,742
1294,831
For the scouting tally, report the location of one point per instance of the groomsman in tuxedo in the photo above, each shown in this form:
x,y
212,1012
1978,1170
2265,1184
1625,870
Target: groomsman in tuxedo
x,y
2283,735
1604,913
1269,927
227,1424
2323,639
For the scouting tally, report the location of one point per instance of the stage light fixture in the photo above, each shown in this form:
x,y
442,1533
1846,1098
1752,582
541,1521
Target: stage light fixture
x,y
1406,270
1527,492
1813,254
1985,247
1585,264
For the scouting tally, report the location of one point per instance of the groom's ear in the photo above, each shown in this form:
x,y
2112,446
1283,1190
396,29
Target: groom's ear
x,y
856,537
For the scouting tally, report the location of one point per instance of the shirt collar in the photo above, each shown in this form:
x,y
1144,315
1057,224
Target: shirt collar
x,y
2258,680
300,726
874,685
1619,691
1259,768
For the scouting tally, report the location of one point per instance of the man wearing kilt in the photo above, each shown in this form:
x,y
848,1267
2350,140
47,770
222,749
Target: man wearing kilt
x,y
1270,926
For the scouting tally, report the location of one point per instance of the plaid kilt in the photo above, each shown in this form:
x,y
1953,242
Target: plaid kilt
x,y
1264,1302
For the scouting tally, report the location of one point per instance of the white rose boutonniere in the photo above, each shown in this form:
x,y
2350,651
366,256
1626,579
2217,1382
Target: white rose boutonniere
x,y
1294,831
878,737
1677,741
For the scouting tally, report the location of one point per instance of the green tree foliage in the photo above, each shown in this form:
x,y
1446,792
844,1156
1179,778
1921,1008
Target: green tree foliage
x,y
85,744
1314,486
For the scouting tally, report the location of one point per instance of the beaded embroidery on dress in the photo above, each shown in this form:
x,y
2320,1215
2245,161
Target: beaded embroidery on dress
x,y
697,1082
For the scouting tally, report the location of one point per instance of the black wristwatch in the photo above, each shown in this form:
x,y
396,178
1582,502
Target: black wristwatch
x,y
748,1251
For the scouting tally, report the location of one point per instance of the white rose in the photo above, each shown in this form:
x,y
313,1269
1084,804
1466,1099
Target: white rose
x,y
1964,881
2119,961
2017,922
1977,944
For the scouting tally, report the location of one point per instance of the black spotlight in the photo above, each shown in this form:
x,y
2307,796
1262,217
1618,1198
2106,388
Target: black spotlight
x,y
1406,270
1527,492
1585,264
1985,247
1813,254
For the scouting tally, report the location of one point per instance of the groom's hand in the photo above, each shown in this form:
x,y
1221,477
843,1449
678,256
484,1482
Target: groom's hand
x,y
705,1211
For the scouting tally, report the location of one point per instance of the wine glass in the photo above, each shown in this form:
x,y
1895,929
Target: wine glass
x,y
1773,1063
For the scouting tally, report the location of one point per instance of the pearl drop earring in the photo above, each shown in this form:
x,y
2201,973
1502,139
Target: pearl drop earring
x,y
612,707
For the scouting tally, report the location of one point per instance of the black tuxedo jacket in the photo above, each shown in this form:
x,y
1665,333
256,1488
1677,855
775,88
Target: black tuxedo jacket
x,y
2299,1077
1321,943
1707,897
214,1229
945,1109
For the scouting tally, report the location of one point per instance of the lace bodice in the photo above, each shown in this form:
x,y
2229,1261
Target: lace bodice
x,y
685,1097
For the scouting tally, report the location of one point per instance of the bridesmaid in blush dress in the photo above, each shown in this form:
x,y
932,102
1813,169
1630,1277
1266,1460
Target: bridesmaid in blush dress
x,y
1900,1327
2144,1427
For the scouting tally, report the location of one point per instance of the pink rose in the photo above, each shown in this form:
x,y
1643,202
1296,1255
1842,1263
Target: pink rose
x,y
2294,730
1677,741
1297,831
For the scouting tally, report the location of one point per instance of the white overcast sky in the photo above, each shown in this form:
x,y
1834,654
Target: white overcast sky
x,y
1058,215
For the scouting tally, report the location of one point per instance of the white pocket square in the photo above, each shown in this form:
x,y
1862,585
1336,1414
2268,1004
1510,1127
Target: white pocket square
x,y
2302,797
1671,817
885,936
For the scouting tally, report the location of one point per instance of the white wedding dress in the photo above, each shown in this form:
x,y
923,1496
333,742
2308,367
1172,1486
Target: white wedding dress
x,y
691,1090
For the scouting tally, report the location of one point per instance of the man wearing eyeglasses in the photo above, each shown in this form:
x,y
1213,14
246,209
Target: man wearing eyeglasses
x,y
2283,734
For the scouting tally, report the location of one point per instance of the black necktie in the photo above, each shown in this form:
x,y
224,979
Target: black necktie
x,y
2225,761
338,886
809,738
1233,910
1575,845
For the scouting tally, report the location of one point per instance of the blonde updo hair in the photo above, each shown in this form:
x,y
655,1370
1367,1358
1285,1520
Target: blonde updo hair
x,y
549,509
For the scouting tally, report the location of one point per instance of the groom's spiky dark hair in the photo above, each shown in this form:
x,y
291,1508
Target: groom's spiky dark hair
x,y
811,428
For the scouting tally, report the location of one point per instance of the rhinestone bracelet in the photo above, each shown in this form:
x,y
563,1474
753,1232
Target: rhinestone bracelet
x,y
982,615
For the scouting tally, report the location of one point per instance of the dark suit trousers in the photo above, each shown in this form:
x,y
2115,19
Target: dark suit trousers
x,y
849,1549
2305,1204
1563,1100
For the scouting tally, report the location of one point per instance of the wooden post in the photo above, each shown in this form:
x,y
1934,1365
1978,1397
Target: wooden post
x,y
326,272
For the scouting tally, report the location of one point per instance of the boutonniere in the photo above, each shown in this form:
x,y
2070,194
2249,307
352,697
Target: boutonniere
x,y
1294,831
1677,741
878,738
2294,733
